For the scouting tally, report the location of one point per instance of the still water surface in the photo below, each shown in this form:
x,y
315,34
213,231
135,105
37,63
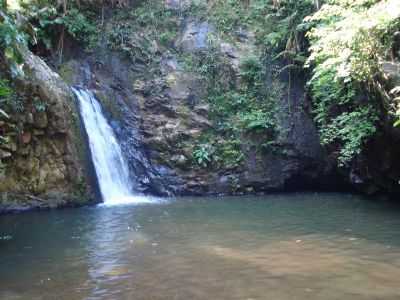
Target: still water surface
x,y
277,247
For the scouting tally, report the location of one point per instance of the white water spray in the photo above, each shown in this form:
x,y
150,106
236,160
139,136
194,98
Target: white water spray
x,y
110,165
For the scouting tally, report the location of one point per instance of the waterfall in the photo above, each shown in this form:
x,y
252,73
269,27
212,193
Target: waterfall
x,y
109,163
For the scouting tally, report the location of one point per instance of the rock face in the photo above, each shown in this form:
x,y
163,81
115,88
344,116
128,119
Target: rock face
x,y
195,36
159,112
42,152
174,114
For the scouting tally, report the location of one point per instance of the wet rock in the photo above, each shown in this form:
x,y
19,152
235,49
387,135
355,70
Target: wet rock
x,y
228,50
243,35
40,120
202,110
179,160
195,36
355,178
184,90
169,64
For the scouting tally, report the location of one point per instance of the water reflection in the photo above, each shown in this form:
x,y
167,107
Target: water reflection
x,y
300,246
110,249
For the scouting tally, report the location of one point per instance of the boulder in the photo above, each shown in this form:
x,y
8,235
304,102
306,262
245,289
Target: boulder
x,y
42,164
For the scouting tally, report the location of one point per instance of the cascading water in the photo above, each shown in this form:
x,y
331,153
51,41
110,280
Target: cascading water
x,y
110,165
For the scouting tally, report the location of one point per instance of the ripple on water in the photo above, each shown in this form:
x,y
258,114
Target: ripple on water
x,y
300,247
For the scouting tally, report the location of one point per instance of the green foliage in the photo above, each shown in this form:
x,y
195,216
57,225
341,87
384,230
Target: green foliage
x,y
5,90
329,94
50,23
242,110
79,25
280,30
251,72
228,15
5,93
229,153
351,129
215,151
11,38
124,38
140,32
257,120
237,110
349,39
9,100
39,105
276,23
203,155
44,19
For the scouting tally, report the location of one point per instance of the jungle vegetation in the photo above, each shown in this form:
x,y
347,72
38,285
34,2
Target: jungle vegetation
x,y
340,46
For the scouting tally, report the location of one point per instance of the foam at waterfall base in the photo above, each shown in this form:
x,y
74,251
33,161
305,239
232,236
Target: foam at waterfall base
x,y
132,200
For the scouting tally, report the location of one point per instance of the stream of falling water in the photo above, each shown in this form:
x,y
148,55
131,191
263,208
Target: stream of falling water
x,y
111,168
